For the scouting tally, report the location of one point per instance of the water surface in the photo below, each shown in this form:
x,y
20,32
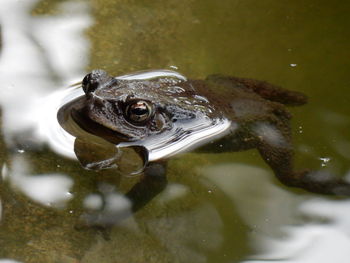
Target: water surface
x,y
217,207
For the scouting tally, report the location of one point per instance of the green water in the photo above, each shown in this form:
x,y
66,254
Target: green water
x,y
219,207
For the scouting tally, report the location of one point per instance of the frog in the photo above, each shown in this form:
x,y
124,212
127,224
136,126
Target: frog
x,y
164,114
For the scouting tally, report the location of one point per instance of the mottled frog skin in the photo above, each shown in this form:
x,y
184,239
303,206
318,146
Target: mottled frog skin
x,y
170,114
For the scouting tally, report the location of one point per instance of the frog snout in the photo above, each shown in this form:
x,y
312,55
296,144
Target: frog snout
x,y
93,80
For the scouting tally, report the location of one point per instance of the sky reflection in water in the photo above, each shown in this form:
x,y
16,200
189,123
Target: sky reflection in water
x,y
279,232
52,190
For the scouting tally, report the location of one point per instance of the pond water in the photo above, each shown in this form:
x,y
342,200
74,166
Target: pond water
x,y
217,207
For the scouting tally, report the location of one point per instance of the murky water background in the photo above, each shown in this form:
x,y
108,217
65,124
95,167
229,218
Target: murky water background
x,y
217,207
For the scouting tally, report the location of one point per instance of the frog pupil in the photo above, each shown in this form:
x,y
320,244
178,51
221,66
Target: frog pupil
x,y
139,111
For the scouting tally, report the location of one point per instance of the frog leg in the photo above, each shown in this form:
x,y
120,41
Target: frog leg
x,y
273,143
151,184
264,89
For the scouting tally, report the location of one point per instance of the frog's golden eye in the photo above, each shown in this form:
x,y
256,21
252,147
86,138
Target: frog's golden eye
x,y
139,111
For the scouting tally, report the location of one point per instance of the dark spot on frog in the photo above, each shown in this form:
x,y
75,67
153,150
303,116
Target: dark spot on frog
x,y
166,112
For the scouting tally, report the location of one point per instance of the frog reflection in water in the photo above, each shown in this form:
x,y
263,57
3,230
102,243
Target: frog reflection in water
x,y
169,114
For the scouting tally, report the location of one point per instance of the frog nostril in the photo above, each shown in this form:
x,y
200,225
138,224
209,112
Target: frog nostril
x,y
93,80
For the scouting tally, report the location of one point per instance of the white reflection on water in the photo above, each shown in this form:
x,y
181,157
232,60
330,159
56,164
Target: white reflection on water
x,y
109,208
39,54
285,227
152,74
173,191
250,187
311,242
47,189
8,261
48,130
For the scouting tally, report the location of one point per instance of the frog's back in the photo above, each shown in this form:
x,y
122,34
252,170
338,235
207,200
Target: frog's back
x,y
262,88
246,99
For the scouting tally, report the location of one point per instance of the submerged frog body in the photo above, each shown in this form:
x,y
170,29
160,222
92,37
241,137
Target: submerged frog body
x,y
166,114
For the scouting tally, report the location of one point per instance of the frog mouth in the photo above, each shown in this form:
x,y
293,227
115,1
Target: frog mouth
x,y
97,129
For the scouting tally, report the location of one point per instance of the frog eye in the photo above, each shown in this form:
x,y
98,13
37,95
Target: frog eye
x,y
139,111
